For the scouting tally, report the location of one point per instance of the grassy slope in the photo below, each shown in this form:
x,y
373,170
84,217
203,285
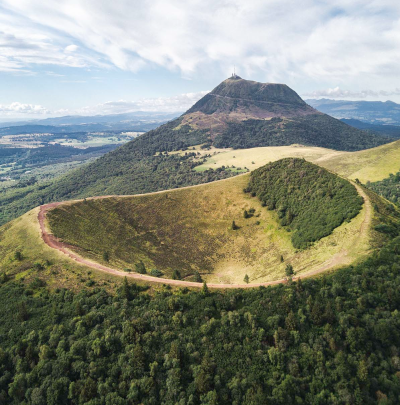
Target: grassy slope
x,y
23,234
189,229
261,156
367,165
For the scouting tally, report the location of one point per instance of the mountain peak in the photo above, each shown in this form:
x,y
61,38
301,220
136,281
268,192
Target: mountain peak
x,y
234,77
251,98
236,87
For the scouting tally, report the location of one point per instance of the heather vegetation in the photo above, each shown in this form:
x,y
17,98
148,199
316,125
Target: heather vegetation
x,y
334,339
310,201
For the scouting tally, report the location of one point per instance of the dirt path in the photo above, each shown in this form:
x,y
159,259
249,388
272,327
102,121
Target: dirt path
x,y
54,243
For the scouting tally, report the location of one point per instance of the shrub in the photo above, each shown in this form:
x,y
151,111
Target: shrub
x,y
289,270
140,268
156,273
37,283
176,275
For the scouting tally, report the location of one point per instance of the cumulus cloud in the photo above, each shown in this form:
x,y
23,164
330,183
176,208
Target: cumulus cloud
x,y
282,38
337,92
178,103
19,109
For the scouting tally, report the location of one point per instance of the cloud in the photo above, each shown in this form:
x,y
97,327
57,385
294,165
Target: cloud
x,y
337,92
321,40
24,44
178,103
19,109
71,48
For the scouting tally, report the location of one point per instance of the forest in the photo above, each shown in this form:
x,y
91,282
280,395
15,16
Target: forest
x,y
310,201
388,188
317,130
328,340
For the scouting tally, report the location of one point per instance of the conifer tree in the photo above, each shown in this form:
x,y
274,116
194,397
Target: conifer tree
x,y
205,290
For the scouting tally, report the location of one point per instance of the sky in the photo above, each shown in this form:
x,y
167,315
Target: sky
x,y
87,57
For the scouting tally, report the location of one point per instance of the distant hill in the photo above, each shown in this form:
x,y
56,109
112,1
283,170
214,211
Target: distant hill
x,y
236,114
391,131
374,112
136,121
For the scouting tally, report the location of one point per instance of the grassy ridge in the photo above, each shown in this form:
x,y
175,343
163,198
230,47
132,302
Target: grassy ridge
x,y
309,200
367,165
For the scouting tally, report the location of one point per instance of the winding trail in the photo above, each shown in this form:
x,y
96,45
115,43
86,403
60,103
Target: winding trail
x,y
54,243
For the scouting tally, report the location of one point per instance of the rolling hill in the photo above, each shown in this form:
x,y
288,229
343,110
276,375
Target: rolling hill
x,y
236,114
367,165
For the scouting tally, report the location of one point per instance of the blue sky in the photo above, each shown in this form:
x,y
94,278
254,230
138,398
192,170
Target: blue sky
x,y
96,56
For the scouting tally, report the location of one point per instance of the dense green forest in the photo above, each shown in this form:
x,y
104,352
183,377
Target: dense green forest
x,y
330,340
388,188
316,130
309,200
